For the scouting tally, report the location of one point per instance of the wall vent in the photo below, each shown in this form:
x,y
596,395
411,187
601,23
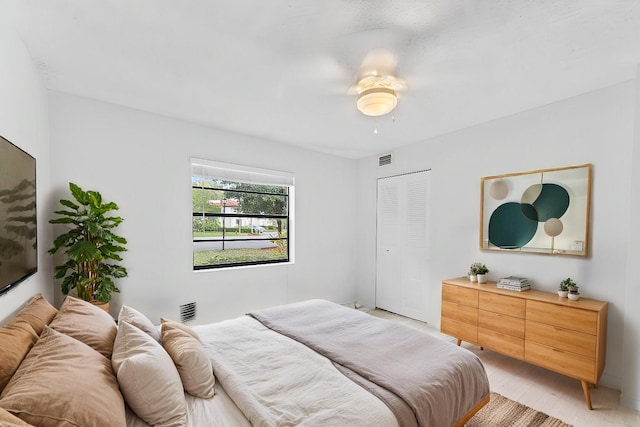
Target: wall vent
x,y
385,160
187,312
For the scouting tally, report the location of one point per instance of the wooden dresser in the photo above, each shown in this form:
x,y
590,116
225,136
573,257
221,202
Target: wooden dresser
x,y
541,328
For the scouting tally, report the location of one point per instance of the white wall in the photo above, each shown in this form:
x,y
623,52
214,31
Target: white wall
x,y
23,121
631,346
593,128
141,162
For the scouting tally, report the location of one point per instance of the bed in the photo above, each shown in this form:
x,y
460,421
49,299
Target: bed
x,y
309,363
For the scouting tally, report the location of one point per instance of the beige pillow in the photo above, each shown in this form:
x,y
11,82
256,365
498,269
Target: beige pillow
x,y
7,419
20,334
139,320
38,313
190,358
182,327
148,378
64,382
15,343
87,323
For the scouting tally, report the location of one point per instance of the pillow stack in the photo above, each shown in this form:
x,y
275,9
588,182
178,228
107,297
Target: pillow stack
x,y
66,378
148,378
63,381
155,367
75,366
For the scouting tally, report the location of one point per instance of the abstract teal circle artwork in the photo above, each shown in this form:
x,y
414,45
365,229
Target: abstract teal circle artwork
x,y
544,211
512,225
552,202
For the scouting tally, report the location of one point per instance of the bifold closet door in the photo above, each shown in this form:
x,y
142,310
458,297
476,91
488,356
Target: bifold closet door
x,y
402,251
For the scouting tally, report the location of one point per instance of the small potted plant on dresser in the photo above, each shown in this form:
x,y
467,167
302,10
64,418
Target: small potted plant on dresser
x,y
473,272
563,288
573,293
571,289
481,273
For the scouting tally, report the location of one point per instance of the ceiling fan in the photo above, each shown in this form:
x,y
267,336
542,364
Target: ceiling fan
x,y
377,84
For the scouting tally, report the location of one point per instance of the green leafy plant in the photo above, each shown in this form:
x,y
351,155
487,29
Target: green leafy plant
x,y
568,285
92,247
478,268
473,269
482,269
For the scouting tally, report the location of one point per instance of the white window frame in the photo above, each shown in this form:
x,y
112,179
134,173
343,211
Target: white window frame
x,y
250,175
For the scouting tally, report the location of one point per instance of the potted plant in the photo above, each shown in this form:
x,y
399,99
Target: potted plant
x,y
481,273
92,248
571,287
573,292
563,288
473,272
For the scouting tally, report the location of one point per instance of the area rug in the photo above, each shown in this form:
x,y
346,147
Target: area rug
x,y
503,412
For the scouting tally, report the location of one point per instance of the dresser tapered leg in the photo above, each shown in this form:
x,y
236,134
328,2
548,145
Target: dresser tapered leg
x,y
587,394
459,342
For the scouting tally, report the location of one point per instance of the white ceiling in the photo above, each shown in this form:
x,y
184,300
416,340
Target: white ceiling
x,y
281,69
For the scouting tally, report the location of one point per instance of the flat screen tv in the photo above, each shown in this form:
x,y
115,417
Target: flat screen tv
x,y
18,234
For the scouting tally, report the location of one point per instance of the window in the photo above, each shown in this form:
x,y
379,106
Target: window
x,y
241,215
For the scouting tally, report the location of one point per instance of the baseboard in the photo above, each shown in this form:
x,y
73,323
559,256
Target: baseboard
x,y
610,381
358,306
629,402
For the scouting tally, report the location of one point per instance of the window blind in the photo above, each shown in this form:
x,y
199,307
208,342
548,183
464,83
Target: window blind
x,y
230,172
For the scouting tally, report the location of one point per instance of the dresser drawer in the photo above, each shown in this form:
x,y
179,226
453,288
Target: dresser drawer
x,y
503,304
506,344
460,295
459,312
564,339
500,323
564,362
462,331
569,317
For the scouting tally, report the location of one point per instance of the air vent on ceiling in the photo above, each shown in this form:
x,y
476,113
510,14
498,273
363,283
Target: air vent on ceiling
x,y
385,160
187,312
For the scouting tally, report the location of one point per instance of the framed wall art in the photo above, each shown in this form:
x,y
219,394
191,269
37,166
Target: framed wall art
x,y
544,211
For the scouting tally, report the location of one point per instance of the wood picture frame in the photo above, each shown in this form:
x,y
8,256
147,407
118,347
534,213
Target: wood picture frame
x,y
545,211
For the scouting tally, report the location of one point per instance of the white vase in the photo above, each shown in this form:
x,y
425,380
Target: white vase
x,y
574,297
563,294
473,277
482,278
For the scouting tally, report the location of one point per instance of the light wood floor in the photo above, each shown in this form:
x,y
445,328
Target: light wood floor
x,y
539,388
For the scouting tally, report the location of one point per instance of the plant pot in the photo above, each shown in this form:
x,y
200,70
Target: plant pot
x,y
482,278
563,294
574,296
473,277
102,305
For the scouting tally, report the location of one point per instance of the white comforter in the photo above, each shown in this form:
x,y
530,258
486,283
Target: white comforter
x,y
266,379
276,381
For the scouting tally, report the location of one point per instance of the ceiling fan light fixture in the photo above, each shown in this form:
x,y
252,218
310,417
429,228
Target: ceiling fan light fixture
x,y
377,101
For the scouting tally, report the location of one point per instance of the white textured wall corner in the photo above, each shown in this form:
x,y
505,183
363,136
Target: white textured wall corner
x,y
630,396
24,122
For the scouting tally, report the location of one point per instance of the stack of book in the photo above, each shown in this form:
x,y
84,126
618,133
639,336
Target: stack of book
x,y
514,283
